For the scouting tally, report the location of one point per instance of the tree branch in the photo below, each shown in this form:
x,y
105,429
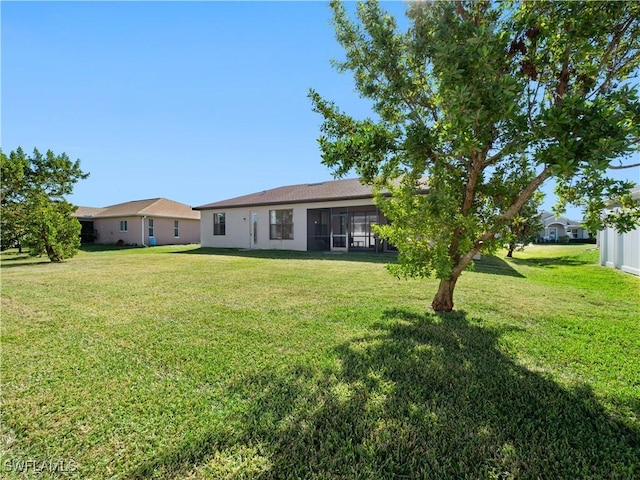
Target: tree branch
x,y
506,216
476,166
615,40
461,10
613,44
614,70
563,82
498,155
622,167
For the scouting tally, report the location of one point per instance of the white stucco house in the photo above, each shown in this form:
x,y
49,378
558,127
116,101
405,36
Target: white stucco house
x,y
556,229
334,215
620,250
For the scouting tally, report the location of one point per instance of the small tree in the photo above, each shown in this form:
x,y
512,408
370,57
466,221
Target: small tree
x,y
525,227
52,228
473,94
34,211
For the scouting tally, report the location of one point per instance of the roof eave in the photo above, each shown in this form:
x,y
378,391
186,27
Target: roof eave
x,y
216,206
141,215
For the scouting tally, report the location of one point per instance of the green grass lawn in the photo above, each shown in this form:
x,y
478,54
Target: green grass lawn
x,y
180,362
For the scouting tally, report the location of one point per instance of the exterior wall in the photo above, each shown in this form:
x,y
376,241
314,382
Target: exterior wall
x,y
583,234
562,229
620,251
188,230
109,231
577,233
239,228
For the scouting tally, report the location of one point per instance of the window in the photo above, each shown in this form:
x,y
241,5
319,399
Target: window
x,y
151,229
123,225
219,224
176,229
361,233
281,224
254,219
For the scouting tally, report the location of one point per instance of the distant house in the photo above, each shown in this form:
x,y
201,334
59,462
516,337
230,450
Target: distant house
x,y
620,250
325,216
558,229
156,221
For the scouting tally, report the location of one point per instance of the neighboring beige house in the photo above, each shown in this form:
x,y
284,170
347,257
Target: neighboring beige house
x,y
156,221
331,216
557,229
620,250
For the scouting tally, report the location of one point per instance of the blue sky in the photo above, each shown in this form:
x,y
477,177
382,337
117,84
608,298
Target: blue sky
x,y
193,101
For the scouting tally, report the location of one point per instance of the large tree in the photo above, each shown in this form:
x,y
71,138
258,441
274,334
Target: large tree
x,y
480,103
35,213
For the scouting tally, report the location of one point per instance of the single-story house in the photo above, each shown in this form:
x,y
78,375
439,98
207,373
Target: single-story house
x,y
156,221
334,216
557,229
620,250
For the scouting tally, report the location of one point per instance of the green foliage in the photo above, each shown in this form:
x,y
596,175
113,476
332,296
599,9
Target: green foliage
x,y
13,170
52,229
13,224
34,211
475,106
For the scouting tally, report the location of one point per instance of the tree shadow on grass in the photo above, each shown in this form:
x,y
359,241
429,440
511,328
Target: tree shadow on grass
x,y
419,396
487,264
107,247
22,261
495,266
387,257
551,262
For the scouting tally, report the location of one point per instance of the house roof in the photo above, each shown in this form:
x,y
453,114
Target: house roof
x,y
87,211
549,218
153,207
346,189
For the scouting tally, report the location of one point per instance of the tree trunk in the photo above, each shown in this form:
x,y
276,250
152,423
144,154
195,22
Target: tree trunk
x,y
443,301
512,247
51,253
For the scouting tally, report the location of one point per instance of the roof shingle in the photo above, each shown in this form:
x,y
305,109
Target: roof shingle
x,y
305,192
153,207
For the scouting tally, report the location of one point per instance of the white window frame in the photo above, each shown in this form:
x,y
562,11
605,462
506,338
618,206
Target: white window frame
x,y
124,226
